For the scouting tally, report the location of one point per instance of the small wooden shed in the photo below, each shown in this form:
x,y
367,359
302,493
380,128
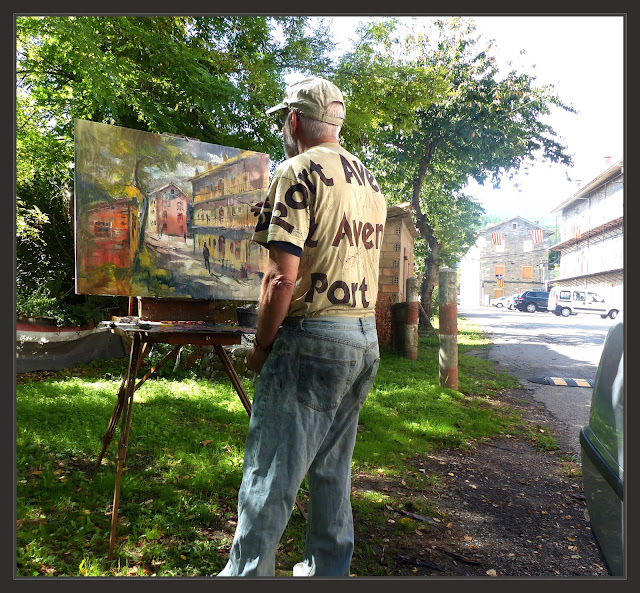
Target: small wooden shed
x,y
396,257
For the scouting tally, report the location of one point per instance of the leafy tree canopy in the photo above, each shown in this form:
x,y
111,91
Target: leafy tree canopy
x,y
439,116
208,78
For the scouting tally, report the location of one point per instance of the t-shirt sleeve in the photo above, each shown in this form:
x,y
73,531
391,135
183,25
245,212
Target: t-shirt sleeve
x,y
288,247
285,213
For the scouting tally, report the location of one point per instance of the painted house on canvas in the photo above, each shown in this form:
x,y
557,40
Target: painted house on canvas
x,y
110,235
169,211
222,219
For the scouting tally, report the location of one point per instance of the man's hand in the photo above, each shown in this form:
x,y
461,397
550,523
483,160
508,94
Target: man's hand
x,y
255,359
257,208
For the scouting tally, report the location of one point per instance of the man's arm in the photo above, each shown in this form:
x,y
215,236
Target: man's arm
x,y
275,299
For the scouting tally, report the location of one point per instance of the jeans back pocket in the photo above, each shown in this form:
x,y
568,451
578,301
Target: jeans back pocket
x,y
322,382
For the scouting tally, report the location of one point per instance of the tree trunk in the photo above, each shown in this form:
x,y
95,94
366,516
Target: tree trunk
x,y
431,269
432,260
144,205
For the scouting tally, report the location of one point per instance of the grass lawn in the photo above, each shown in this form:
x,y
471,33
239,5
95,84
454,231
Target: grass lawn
x,y
184,463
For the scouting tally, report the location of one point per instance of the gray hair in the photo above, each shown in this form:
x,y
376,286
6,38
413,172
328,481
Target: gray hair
x,y
315,129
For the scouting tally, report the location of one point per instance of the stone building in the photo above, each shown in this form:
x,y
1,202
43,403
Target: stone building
x,y
591,236
396,256
509,257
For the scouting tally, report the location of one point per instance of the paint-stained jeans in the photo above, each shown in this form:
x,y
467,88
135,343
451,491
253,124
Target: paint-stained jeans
x,y
304,420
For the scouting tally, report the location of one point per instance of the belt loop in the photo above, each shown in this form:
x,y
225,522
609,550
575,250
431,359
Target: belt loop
x,y
301,323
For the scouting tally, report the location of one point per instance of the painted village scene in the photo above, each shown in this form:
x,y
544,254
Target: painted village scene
x,y
163,216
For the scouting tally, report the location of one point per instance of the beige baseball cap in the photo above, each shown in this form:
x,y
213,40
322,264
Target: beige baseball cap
x,y
310,98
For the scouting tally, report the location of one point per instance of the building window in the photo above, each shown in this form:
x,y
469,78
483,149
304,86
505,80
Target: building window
x,y
500,247
102,228
396,280
514,225
396,247
396,263
527,246
498,269
527,272
398,230
179,205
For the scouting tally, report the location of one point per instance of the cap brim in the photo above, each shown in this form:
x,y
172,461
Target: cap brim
x,y
278,107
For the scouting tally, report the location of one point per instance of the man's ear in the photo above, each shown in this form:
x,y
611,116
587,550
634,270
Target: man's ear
x,y
293,121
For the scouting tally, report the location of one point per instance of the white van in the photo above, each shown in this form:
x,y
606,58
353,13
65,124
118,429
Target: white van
x,y
570,301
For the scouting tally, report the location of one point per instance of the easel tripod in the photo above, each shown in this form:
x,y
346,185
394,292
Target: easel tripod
x,y
142,339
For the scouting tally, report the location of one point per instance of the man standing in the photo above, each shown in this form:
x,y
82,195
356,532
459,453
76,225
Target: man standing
x,y
205,254
316,345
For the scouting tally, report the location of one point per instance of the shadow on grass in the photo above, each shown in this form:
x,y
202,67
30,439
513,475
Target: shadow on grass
x,y
184,462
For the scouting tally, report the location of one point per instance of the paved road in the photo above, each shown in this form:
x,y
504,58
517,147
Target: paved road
x,y
538,345
191,277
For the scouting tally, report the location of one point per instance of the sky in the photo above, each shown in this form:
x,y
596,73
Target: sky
x,y
583,57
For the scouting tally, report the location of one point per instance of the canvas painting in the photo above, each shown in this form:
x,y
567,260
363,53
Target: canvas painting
x,y
164,216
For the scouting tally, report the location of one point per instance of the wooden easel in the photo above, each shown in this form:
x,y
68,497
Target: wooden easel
x,y
165,327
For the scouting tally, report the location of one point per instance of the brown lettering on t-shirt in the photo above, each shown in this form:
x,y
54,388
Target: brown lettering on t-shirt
x,y
338,293
371,180
318,169
343,229
264,218
359,171
297,204
367,229
349,171
318,284
282,210
304,176
313,226
356,230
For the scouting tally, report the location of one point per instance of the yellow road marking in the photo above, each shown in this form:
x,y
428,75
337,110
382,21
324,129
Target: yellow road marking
x,y
558,381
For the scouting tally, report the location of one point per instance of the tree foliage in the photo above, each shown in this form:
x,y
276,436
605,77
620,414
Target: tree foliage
x,y
208,78
441,116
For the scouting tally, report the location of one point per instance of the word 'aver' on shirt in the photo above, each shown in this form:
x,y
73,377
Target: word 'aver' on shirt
x,y
297,198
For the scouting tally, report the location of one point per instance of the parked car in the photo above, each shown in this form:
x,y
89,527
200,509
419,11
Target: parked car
x,y
568,301
602,452
499,302
532,300
511,301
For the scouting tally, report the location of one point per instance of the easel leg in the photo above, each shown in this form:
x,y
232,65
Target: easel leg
x,y
235,380
113,422
237,383
135,359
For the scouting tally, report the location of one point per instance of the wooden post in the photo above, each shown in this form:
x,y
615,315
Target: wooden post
x,y
411,333
448,315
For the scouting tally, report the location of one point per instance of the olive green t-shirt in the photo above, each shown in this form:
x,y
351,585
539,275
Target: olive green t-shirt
x,y
327,203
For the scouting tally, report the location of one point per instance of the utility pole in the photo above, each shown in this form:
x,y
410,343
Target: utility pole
x,y
448,315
